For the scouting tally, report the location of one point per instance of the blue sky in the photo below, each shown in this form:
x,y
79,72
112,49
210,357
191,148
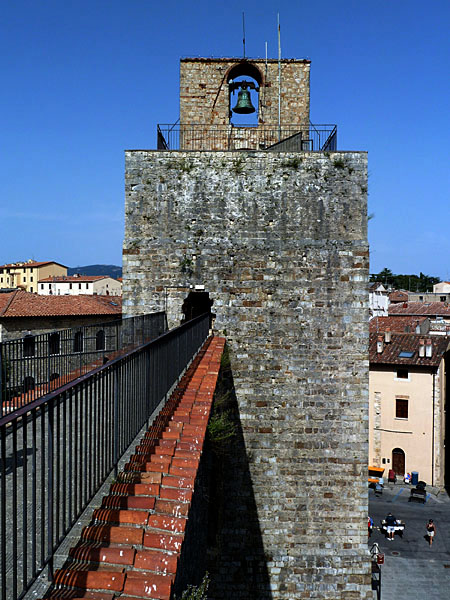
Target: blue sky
x,y
83,80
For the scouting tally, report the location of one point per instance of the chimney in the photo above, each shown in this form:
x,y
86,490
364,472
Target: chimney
x,y
421,348
417,327
428,348
387,335
380,344
405,305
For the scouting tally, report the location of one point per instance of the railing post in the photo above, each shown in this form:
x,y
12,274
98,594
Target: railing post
x,y
116,421
50,487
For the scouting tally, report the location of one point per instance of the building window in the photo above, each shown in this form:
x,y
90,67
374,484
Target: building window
x,y
31,288
53,343
70,286
79,286
401,408
402,374
24,279
420,298
42,286
31,279
78,342
87,286
100,340
29,346
443,298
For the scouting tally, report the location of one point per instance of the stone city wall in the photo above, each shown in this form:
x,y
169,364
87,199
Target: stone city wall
x,y
279,241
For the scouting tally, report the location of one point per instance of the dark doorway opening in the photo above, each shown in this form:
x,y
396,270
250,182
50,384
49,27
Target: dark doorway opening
x,y
398,461
196,304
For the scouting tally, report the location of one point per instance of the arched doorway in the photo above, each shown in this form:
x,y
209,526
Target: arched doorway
x,y
196,304
398,461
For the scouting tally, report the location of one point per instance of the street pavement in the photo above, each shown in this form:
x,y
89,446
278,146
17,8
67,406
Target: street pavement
x,y
412,568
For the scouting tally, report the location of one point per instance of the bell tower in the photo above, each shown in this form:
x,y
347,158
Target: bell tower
x,y
214,90
263,224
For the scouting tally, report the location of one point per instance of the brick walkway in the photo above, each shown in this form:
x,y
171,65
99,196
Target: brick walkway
x,y
132,546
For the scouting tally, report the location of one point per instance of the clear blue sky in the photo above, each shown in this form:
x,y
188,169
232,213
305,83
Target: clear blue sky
x,y
83,80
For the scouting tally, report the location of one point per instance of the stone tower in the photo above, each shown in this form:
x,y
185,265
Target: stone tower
x,y
265,224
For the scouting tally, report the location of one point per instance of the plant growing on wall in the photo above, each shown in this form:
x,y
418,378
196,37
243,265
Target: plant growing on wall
x,y
194,592
187,265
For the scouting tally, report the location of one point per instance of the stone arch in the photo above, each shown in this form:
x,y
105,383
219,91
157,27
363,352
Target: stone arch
x,y
244,71
196,304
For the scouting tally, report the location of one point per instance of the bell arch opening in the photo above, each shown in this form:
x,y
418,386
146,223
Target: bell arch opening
x,y
244,82
196,304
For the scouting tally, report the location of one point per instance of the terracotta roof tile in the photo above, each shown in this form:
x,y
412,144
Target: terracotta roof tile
x,y
31,264
398,296
421,308
25,304
408,342
72,278
397,324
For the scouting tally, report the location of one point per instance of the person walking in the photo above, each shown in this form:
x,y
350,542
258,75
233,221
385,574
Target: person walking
x,y
391,523
431,530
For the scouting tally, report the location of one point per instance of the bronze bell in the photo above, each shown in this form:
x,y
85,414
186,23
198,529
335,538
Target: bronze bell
x,y
244,104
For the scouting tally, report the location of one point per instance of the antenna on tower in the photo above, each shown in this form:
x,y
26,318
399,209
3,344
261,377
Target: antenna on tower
x,y
243,31
279,78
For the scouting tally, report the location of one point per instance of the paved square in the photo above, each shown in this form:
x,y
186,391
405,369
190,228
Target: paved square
x,y
412,569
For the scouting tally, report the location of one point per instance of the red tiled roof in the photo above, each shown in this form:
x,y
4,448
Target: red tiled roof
x,y
25,304
31,264
421,308
398,296
397,324
407,342
72,278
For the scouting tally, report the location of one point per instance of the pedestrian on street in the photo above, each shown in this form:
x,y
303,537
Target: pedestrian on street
x,y
391,523
370,525
431,530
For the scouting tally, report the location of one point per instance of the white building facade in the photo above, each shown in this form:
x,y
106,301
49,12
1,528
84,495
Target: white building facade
x,y
75,285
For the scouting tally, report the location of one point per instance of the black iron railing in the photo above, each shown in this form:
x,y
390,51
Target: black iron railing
x,y
56,452
36,364
285,138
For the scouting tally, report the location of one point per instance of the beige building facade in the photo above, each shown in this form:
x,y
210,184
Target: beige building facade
x,y
25,275
408,388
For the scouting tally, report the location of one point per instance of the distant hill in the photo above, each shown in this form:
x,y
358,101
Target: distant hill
x,y
111,270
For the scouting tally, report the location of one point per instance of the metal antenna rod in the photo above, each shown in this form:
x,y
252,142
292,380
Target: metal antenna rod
x,y
279,78
243,31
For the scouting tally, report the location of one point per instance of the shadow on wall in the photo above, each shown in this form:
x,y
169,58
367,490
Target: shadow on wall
x,y
235,555
222,534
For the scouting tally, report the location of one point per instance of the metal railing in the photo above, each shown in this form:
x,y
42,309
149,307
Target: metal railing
x,y
37,364
56,452
285,138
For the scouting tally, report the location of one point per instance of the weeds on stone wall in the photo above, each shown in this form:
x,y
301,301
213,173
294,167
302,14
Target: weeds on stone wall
x,y
222,423
186,265
339,163
194,592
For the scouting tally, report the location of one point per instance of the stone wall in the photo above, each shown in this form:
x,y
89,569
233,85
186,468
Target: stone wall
x,y
204,96
279,241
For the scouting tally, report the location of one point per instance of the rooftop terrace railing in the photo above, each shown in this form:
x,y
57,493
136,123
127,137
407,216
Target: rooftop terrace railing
x,y
286,138
37,364
56,452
